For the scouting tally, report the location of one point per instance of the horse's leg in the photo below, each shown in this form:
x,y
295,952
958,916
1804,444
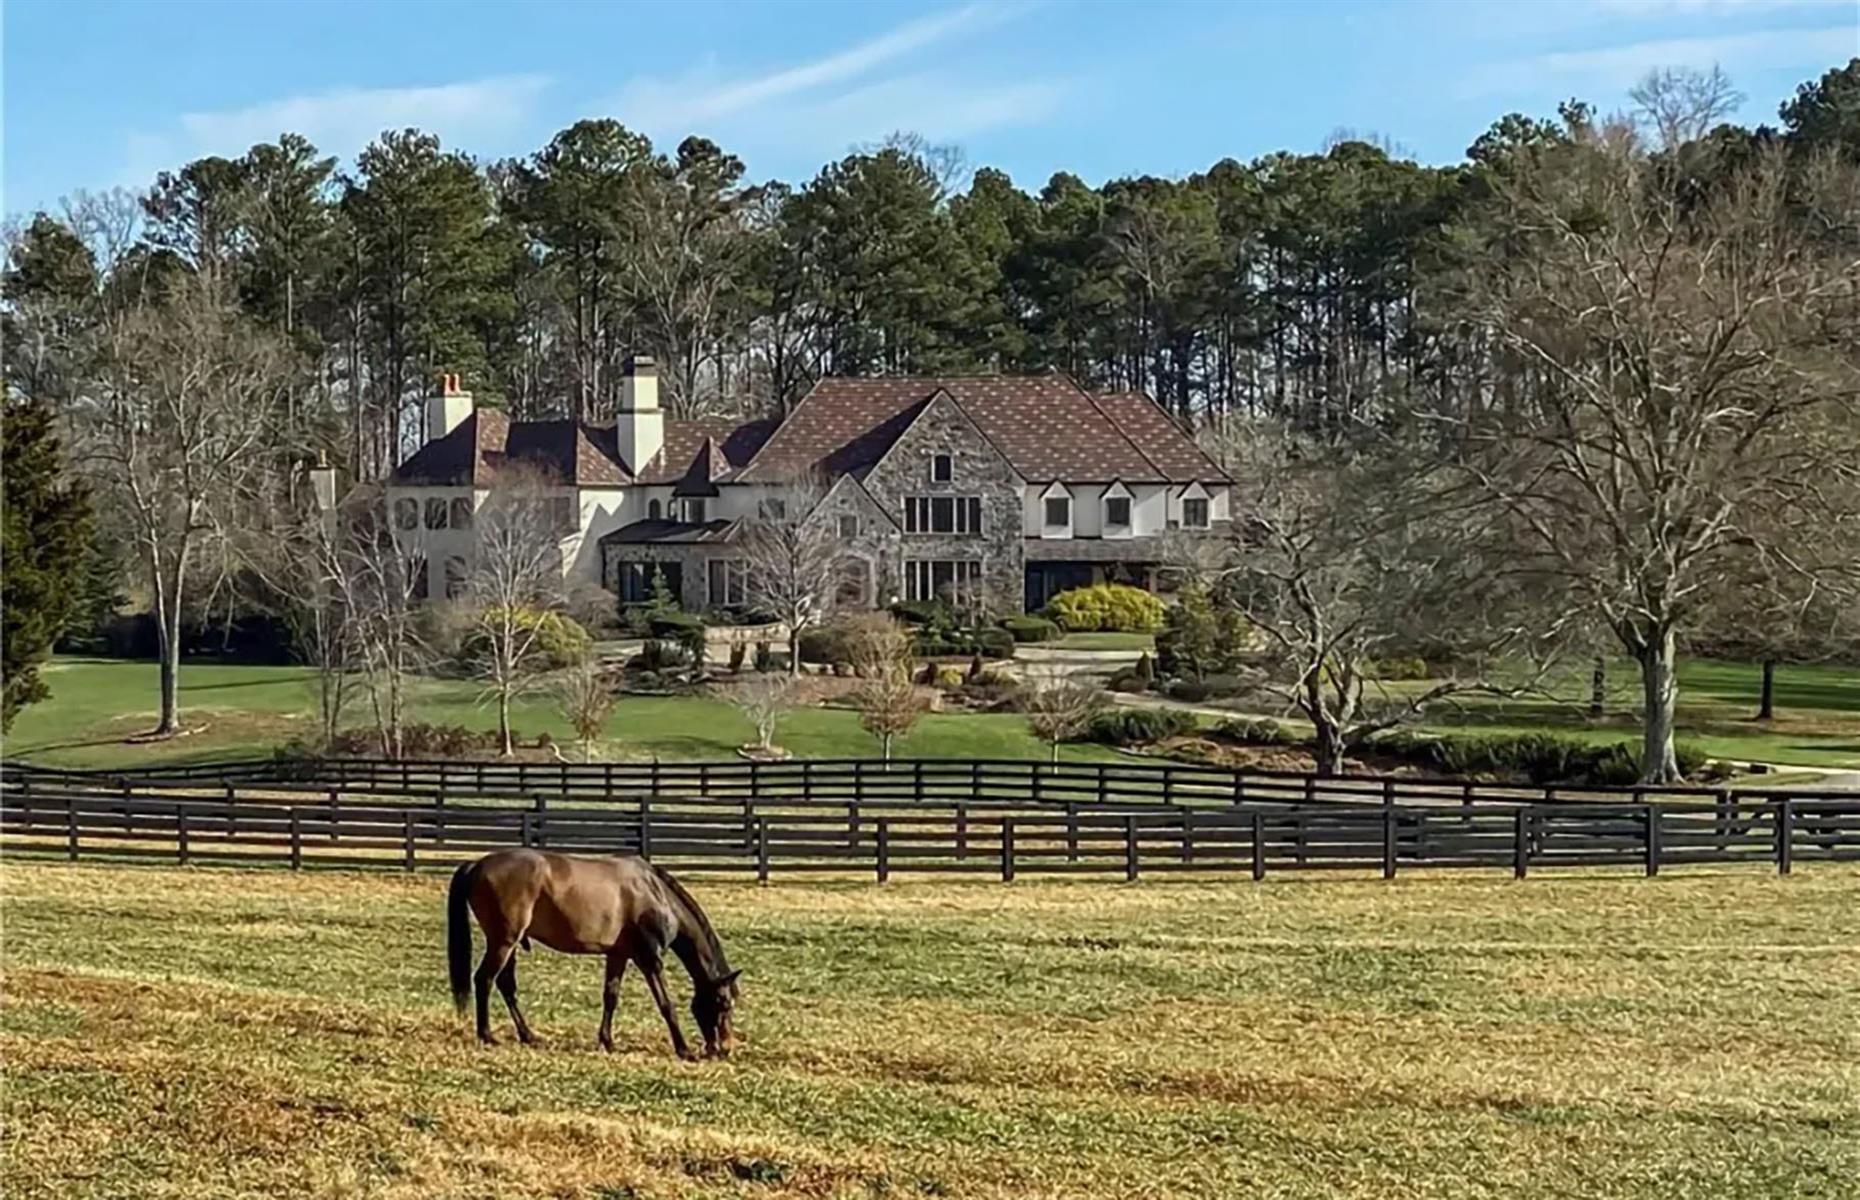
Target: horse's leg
x,y
507,985
650,967
496,954
610,996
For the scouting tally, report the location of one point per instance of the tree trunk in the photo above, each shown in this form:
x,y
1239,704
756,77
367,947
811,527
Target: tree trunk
x,y
168,637
885,741
1055,751
503,720
1766,702
794,652
1598,686
1659,682
1327,748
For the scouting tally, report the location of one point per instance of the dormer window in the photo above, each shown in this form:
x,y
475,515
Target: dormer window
x,y
942,468
1117,512
1058,512
1195,514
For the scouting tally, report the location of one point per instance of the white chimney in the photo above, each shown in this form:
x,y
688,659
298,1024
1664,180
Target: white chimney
x,y
448,410
640,430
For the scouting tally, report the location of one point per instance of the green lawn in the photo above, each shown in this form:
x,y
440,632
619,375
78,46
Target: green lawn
x,y
192,1033
96,704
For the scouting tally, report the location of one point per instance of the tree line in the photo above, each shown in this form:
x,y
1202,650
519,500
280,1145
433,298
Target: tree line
x,y
1609,357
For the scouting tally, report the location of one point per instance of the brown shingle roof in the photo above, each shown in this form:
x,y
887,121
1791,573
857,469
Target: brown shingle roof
x,y
488,441
1046,425
1164,442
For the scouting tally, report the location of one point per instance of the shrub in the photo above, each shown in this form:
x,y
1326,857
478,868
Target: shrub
x,y
738,652
1400,668
1030,628
823,644
1193,691
687,629
1113,607
765,658
659,656
1134,726
560,640
995,643
1540,758
948,679
932,613
1254,731
1225,685
1128,682
1145,668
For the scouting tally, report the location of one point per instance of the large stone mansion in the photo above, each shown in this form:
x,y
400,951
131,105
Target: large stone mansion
x,y
994,491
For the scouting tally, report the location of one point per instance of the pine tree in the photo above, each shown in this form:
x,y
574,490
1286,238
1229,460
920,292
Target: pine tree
x,y
46,518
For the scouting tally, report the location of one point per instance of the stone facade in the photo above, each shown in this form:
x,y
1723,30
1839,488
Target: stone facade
x,y
977,469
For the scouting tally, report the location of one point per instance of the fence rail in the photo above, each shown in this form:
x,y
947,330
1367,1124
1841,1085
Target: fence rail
x,y
201,819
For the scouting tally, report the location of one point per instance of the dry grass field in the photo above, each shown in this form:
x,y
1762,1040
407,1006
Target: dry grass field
x,y
200,1033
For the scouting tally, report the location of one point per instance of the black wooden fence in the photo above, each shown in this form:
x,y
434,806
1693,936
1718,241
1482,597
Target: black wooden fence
x,y
917,816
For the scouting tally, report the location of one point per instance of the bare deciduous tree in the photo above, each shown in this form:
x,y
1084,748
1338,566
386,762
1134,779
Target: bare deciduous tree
x,y
1685,395
793,558
585,697
513,583
765,700
1682,104
1060,708
1350,548
887,697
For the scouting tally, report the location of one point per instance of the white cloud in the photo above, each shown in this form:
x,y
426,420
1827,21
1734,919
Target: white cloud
x,y
1715,8
825,105
464,115
1619,67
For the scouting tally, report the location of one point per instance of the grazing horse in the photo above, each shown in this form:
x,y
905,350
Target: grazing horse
x,y
621,908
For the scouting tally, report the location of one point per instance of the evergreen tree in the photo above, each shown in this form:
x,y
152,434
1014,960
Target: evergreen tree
x,y
46,518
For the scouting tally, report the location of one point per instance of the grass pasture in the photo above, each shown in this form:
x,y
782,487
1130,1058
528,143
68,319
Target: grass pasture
x,y
214,1033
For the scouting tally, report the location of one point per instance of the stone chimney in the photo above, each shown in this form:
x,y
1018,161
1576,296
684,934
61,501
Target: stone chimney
x,y
640,430
448,410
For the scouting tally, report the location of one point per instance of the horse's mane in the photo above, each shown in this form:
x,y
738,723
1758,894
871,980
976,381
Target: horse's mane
x,y
721,965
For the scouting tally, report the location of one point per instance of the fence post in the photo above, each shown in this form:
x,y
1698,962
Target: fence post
x,y
439,804
1521,845
1259,845
1007,850
1388,840
645,827
180,833
884,849
1652,818
1072,831
1130,847
1785,837
542,818
917,781
762,850
524,833
852,824
71,829
406,840
607,782
297,841
962,832
1187,818
334,811
1168,774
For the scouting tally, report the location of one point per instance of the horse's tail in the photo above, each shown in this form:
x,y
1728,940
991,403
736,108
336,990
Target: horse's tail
x,y
458,933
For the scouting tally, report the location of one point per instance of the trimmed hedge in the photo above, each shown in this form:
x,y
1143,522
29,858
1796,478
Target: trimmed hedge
x,y
1111,607
1030,628
1539,758
1135,726
995,643
1254,731
560,639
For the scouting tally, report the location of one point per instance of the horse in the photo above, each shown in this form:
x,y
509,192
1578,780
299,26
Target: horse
x,y
623,908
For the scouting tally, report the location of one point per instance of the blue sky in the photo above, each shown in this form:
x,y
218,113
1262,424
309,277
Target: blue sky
x,y
100,94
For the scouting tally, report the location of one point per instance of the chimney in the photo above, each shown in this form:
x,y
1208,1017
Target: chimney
x,y
448,410
640,430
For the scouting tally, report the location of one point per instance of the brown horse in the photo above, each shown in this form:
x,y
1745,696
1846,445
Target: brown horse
x,y
622,908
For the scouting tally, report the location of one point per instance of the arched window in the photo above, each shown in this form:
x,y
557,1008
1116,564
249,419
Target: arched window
x,y
654,510
455,577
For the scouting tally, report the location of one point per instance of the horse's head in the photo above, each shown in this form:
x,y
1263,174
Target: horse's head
x,y
712,1005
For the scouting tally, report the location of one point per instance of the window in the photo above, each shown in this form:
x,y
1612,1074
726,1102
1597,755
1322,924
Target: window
x,y
455,577
942,468
654,510
1058,512
461,512
416,578
694,511
849,525
407,513
943,514
562,513
436,514
773,509
633,580
729,582
1117,512
855,583
957,582
1195,514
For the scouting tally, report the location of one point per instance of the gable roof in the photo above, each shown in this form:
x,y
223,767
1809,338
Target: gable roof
x,y
1162,439
1045,425
568,452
